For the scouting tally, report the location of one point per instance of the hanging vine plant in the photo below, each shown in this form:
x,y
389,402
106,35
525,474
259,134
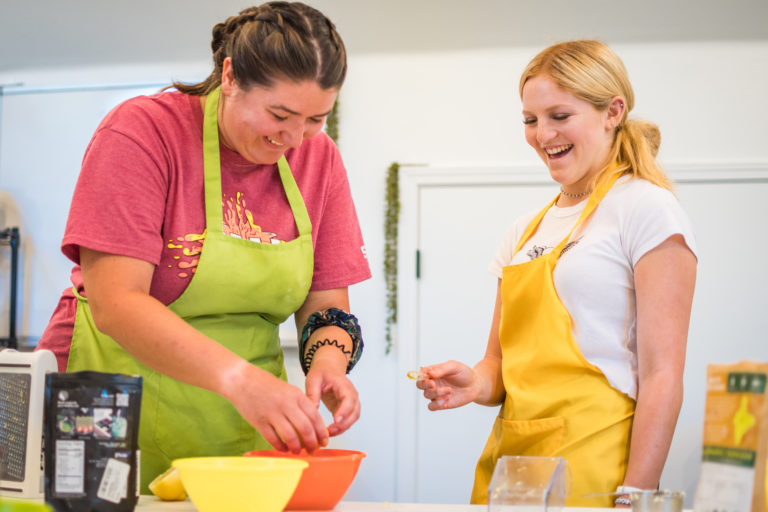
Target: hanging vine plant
x,y
391,221
332,123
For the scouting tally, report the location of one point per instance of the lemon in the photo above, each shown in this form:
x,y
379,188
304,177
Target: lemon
x,y
168,486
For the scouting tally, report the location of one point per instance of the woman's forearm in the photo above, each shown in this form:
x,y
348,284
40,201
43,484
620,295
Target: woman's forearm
x,y
117,288
489,382
158,338
658,406
488,371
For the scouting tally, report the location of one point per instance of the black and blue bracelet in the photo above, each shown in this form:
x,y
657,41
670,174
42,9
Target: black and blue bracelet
x,y
336,317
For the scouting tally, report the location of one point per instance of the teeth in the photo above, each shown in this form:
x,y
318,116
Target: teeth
x,y
273,141
558,149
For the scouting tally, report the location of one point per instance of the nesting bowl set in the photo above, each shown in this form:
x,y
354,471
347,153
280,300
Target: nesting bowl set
x,y
269,480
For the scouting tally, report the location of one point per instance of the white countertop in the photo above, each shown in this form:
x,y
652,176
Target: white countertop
x,y
149,503
152,504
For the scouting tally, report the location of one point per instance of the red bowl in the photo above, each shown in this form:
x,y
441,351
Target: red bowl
x,y
325,481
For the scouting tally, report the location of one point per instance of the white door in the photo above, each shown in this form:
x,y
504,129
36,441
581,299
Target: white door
x,y
455,218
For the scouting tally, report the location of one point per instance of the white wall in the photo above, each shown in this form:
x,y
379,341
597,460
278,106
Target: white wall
x,y
460,107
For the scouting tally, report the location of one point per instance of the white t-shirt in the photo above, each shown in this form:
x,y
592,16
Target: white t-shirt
x,y
595,275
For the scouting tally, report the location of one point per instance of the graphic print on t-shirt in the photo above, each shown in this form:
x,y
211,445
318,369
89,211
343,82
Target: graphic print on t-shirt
x,y
190,246
569,245
237,222
538,250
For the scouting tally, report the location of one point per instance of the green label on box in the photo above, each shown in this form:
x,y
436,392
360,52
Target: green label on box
x,y
731,456
744,382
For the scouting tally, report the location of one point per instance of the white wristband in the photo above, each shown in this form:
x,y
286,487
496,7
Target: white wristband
x,y
625,490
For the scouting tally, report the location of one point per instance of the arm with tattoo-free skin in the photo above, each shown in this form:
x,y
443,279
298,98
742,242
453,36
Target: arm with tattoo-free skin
x,y
665,278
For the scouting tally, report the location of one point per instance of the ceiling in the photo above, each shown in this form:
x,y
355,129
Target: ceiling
x,y
56,33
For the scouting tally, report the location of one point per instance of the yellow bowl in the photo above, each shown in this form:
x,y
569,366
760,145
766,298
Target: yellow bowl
x,y
239,484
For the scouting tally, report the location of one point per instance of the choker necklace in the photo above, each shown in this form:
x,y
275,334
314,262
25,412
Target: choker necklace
x,y
575,196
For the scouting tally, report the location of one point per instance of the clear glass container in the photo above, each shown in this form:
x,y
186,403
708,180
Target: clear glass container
x,y
657,501
529,484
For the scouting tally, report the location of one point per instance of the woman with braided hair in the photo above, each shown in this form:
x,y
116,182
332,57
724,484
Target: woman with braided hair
x,y
204,217
587,343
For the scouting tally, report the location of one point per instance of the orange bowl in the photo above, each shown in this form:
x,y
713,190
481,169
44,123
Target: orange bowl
x,y
325,481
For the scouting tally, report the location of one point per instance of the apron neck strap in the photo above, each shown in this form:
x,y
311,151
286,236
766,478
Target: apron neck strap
x,y
212,162
298,207
594,199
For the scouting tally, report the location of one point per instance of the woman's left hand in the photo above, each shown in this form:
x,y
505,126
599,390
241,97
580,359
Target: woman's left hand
x,y
327,381
327,376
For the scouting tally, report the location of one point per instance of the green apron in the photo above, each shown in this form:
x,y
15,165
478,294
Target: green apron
x,y
238,296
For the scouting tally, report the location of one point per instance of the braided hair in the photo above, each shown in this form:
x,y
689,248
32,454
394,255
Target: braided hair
x,y
275,41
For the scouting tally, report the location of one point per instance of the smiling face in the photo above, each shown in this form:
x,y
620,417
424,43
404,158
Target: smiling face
x,y
570,135
262,123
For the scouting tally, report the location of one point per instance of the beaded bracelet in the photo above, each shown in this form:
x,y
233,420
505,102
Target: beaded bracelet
x,y
623,492
338,318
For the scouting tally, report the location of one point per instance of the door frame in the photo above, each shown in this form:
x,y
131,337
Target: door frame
x,y
415,177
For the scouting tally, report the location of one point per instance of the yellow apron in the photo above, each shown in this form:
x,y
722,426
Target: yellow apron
x,y
557,403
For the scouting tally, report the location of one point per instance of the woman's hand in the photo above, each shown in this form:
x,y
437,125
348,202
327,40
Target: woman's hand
x,y
453,384
448,385
287,418
327,381
327,376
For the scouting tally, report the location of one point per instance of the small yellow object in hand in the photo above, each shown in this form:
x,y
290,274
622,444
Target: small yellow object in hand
x,y
416,375
168,486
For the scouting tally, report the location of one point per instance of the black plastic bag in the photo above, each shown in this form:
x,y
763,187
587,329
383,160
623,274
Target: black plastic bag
x,y
91,441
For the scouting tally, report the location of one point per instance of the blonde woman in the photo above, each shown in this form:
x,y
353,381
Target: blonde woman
x,y
587,344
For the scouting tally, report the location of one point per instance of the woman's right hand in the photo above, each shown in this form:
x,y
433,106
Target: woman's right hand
x,y
448,385
282,413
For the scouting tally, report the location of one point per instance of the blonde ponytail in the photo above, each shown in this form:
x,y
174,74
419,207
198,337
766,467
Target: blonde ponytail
x,y
634,152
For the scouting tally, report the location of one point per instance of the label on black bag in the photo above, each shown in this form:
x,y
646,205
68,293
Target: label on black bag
x,y
91,441
69,476
114,481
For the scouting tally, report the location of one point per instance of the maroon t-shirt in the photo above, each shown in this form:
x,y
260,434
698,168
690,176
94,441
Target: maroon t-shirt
x,y
140,194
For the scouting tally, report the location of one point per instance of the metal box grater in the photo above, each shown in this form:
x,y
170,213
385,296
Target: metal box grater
x,y
22,390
